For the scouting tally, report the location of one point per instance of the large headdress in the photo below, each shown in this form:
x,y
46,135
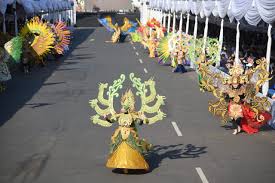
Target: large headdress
x,y
237,75
43,36
62,37
128,101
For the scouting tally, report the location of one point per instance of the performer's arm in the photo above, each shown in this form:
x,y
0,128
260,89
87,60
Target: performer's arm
x,y
110,120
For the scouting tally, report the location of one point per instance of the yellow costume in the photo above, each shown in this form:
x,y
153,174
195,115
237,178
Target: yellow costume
x,y
127,149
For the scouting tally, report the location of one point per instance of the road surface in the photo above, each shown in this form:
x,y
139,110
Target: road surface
x,y
46,135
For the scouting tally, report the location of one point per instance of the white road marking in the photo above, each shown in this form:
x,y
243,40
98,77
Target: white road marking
x,y
145,70
134,48
176,128
140,61
91,40
202,176
137,53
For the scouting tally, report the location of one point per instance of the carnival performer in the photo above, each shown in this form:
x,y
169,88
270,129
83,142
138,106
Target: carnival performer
x,y
203,58
180,52
237,93
174,48
151,43
149,36
38,40
62,37
127,149
119,32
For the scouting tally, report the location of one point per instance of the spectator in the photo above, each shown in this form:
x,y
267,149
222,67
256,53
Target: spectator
x,y
223,63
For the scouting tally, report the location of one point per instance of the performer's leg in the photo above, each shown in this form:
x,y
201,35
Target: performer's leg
x,y
236,125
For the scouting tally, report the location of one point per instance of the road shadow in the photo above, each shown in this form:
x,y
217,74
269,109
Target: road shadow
x,y
37,105
264,128
53,83
23,87
179,151
30,169
159,153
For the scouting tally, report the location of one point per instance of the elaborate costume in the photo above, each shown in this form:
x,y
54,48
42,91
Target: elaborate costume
x,y
203,58
62,37
119,32
238,101
35,41
4,70
38,42
174,48
42,35
149,36
127,148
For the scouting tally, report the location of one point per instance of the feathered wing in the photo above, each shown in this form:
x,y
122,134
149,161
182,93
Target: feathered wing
x,y
43,36
107,103
63,35
195,49
107,22
142,89
128,26
212,49
14,48
260,74
163,49
212,81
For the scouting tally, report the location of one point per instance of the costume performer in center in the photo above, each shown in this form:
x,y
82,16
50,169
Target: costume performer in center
x,y
127,149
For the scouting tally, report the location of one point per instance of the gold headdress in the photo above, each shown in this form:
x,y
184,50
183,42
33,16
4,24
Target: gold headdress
x,y
128,101
43,36
237,75
63,37
236,70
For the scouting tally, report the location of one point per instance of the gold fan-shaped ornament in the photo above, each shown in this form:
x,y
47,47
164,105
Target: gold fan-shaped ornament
x,y
43,36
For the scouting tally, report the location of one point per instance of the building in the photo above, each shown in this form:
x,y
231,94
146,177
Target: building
x,y
106,5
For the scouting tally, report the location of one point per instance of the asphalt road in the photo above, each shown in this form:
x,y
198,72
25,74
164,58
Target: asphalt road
x,y
46,135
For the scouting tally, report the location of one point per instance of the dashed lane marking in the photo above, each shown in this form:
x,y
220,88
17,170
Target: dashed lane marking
x,y
145,70
176,128
202,176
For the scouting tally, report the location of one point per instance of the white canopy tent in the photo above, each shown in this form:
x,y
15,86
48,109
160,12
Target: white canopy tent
x,y
253,11
63,8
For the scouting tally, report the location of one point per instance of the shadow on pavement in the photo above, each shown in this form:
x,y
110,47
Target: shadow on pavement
x,y
36,105
23,87
159,153
264,128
